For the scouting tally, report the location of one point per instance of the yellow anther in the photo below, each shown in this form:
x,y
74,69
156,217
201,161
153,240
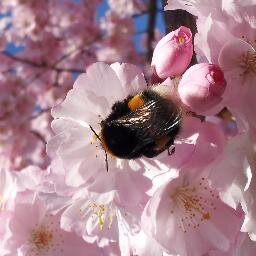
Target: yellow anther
x,y
181,40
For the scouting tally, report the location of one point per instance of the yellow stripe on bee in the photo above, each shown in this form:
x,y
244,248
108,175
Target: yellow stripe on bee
x,y
135,102
161,142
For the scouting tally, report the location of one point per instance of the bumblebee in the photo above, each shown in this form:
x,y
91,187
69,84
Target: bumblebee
x,y
144,124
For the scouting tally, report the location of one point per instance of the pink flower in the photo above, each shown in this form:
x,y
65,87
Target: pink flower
x,y
127,7
198,144
201,87
16,105
215,19
8,190
88,103
115,37
146,246
238,184
33,230
238,60
33,178
234,161
109,215
248,201
173,53
102,218
187,217
243,246
246,246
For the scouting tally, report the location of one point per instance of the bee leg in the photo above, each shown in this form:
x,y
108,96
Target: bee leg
x,y
171,152
106,160
98,137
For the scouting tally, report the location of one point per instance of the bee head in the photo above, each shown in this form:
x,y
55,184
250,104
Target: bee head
x,y
119,140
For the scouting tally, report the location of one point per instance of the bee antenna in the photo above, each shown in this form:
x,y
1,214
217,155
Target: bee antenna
x,y
98,137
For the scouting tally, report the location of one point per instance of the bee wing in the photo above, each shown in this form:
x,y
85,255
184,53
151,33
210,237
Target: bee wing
x,y
154,114
155,118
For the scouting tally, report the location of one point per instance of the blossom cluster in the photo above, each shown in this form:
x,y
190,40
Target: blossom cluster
x,y
45,45
196,197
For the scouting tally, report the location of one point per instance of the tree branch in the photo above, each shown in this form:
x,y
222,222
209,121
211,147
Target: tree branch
x,y
39,136
40,65
152,11
39,113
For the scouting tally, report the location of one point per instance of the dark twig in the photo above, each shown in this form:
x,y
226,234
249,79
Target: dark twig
x,y
152,11
54,65
39,136
39,113
40,65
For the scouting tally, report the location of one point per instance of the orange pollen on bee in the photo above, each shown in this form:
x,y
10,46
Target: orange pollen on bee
x,y
161,142
248,63
193,204
181,40
135,102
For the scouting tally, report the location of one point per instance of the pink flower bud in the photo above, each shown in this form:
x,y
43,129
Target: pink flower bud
x,y
173,53
202,86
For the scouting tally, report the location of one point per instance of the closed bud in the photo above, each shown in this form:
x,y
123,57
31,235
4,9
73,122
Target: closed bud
x,y
173,53
201,87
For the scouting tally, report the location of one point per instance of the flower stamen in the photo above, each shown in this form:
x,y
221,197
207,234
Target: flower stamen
x,y
248,63
46,238
181,40
103,213
193,204
41,238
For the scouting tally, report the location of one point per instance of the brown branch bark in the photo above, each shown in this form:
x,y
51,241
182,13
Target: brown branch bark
x,y
152,11
40,65
39,136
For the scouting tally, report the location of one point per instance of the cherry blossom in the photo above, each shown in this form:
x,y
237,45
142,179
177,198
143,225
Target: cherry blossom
x,y
125,7
173,53
34,231
206,89
240,74
102,219
192,211
87,104
196,199
8,190
238,186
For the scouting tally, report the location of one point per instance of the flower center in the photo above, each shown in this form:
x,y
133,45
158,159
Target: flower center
x,y
41,238
103,214
193,204
46,237
248,63
181,40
